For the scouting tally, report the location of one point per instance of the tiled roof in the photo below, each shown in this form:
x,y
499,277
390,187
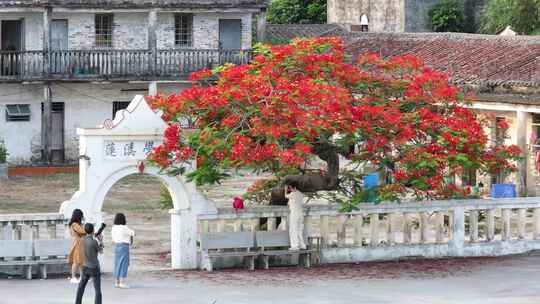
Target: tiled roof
x,y
111,4
286,32
467,58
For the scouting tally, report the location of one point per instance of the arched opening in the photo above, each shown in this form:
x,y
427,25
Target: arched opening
x,y
141,198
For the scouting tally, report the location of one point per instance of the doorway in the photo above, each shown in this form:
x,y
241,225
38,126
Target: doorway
x,y
57,131
230,34
59,42
11,42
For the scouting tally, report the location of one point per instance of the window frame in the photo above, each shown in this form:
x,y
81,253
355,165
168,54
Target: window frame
x,y
103,31
183,33
21,113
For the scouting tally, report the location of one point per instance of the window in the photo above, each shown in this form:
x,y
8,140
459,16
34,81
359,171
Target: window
x,y
104,25
18,112
183,30
119,105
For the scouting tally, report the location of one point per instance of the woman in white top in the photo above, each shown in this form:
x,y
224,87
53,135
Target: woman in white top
x,y
122,237
296,217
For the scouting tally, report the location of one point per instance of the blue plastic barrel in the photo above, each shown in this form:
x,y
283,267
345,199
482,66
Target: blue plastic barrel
x,y
503,190
371,180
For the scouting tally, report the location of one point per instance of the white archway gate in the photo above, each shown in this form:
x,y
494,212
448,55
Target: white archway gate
x,y
112,151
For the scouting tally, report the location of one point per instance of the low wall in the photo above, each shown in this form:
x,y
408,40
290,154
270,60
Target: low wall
x,y
41,170
32,226
388,231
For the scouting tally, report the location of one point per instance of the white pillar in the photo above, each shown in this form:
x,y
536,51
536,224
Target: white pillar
x,y
458,232
152,88
183,239
521,141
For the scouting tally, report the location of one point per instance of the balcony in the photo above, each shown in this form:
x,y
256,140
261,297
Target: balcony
x,y
112,65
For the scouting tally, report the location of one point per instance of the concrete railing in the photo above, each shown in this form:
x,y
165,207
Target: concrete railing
x,y
485,227
33,226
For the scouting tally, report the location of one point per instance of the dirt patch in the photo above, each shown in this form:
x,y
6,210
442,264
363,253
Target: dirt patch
x,y
290,276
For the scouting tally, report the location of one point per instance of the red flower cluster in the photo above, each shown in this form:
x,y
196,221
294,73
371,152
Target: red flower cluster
x,y
270,114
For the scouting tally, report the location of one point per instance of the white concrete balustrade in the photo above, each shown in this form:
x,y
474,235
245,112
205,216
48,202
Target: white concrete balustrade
x,y
484,227
32,226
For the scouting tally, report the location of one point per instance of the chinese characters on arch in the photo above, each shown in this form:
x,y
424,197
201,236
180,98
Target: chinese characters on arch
x,y
129,149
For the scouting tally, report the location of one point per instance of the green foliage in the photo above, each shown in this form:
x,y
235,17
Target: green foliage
x,y
297,12
165,201
522,15
447,16
3,152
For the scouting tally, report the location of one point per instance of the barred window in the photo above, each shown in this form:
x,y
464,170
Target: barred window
x,y
183,30
104,29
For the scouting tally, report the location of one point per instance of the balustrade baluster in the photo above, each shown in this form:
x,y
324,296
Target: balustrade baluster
x,y
439,227
341,229
473,225
536,227
407,228
17,231
374,229
237,225
390,228
255,225
325,230
205,226
490,225
271,224
221,226
284,223
358,229
522,223
8,231
34,234
424,227
506,227
308,227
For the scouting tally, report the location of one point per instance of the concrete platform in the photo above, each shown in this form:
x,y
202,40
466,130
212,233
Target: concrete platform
x,y
512,280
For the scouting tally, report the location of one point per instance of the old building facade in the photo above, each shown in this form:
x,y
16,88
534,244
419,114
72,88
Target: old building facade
x,y
69,64
393,15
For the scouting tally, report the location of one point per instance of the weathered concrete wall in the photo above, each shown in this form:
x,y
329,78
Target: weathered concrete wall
x,y
384,15
205,29
394,15
22,138
130,29
86,105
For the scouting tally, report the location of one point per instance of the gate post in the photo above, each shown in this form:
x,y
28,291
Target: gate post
x,y
183,239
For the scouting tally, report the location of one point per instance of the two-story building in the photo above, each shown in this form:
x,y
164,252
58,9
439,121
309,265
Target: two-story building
x,y
66,64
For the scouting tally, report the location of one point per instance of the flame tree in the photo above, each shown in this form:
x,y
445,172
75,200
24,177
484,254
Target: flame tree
x,y
306,100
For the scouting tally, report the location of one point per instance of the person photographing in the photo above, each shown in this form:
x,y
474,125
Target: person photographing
x,y
90,268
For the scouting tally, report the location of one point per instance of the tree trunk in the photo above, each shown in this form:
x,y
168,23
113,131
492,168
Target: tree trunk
x,y
312,183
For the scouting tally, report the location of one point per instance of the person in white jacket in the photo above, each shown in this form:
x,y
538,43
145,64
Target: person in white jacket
x,y
296,217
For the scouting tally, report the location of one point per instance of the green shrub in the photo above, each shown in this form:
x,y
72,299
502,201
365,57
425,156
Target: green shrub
x,y
3,152
447,16
165,201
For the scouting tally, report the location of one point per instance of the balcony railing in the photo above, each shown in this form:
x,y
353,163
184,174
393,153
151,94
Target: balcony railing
x,y
112,64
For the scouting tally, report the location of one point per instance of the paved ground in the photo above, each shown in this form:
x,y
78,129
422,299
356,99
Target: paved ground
x,y
512,280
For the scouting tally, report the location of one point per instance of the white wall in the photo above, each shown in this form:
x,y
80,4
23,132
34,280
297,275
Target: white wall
x,y
22,138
